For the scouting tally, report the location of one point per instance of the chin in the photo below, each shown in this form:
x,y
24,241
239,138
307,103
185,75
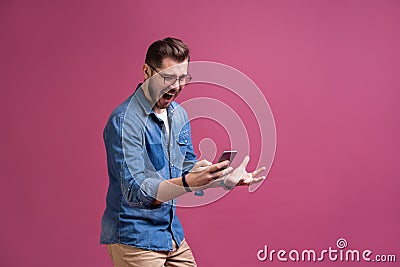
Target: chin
x,y
163,106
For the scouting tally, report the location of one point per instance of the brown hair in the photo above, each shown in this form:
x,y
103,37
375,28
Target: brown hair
x,y
167,47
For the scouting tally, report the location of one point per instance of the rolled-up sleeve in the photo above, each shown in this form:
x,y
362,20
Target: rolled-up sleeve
x,y
125,149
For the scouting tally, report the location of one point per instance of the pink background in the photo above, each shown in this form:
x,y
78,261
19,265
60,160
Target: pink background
x,y
329,69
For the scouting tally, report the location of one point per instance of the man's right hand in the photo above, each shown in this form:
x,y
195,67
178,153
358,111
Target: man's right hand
x,y
204,172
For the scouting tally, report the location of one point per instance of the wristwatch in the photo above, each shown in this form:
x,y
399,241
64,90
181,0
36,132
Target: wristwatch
x,y
185,184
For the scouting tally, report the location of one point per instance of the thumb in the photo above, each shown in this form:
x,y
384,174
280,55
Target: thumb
x,y
245,162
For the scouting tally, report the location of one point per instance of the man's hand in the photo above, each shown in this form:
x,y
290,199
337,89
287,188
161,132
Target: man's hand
x,y
241,177
205,173
201,165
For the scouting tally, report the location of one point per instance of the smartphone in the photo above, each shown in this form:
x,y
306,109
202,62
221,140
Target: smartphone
x,y
227,155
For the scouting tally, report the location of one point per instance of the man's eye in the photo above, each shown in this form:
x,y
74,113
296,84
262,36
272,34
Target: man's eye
x,y
169,78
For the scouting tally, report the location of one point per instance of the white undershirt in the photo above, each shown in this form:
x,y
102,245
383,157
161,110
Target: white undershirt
x,y
164,117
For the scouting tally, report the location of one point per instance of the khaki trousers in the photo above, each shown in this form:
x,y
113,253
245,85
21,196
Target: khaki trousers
x,y
129,256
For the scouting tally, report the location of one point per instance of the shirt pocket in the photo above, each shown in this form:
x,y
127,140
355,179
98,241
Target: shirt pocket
x,y
183,141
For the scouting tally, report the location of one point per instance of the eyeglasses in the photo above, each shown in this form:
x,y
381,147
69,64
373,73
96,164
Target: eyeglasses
x,y
170,80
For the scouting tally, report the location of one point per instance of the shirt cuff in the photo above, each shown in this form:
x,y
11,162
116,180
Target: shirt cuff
x,y
148,191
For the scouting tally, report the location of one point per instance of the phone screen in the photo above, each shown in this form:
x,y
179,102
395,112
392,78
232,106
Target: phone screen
x,y
227,155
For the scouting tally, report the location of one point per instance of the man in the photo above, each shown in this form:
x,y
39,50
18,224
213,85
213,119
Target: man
x,y
151,162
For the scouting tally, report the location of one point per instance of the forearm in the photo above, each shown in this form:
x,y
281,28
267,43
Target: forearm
x,y
169,189
204,176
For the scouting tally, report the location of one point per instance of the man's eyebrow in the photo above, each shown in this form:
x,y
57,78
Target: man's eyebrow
x,y
168,74
173,75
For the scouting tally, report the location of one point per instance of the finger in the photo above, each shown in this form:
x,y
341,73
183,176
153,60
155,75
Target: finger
x,y
258,180
227,171
217,174
222,173
201,166
251,181
218,166
258,171
199,169
204,163
245,162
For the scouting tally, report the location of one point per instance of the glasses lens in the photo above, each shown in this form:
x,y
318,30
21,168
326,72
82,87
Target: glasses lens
x,y
169,80
185,79
182,80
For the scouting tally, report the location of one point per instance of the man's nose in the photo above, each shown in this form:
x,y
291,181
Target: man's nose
x,y
173,89
175,85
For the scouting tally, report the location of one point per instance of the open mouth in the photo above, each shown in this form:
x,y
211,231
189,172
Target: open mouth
x,y
168,96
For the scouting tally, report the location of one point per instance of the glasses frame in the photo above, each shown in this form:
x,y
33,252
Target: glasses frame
x,y
179,79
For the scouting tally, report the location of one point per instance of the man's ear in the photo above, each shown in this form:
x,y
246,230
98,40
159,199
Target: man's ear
x,y
146,72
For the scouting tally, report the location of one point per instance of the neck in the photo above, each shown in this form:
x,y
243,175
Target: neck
x,y
158,110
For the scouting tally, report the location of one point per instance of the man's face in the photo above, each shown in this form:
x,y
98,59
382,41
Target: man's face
x,y
166,85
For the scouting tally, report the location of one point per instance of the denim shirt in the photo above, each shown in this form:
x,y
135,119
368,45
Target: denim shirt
x,y
139,158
